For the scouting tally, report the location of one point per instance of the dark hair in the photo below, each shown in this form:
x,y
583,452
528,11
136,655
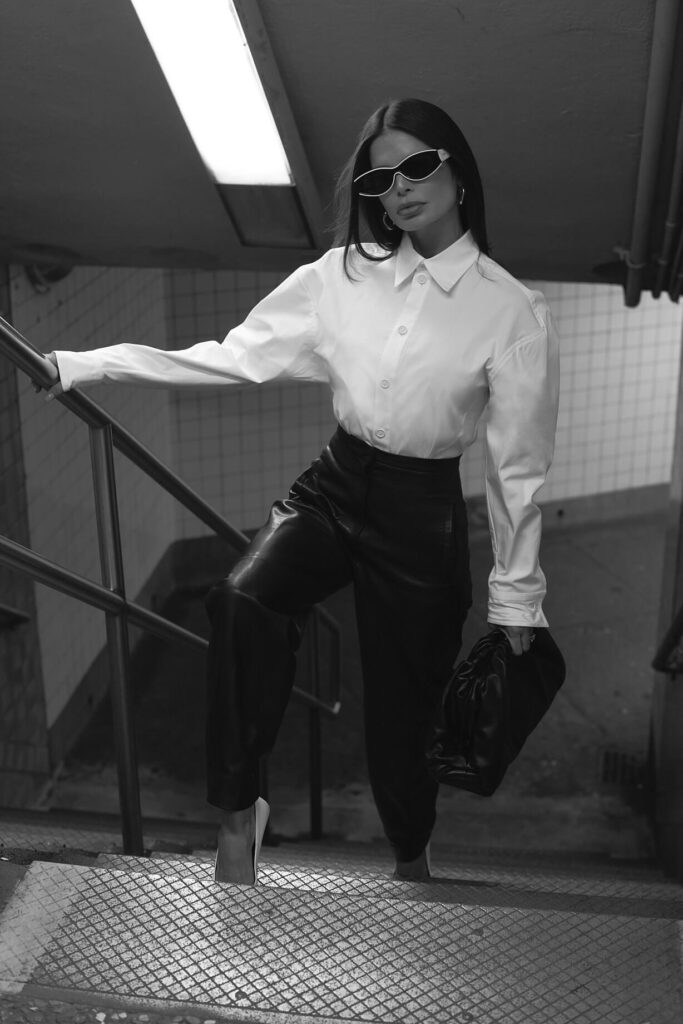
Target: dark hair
x,y
431,125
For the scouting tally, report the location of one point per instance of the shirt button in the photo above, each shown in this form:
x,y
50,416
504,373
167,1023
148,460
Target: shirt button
x,y
380,433
403,330
421,279
384,384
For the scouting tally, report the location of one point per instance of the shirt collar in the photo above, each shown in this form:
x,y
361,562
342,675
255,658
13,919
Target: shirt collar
x,y
447,267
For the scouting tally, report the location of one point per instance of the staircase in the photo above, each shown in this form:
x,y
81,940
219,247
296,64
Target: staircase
x,y
87,934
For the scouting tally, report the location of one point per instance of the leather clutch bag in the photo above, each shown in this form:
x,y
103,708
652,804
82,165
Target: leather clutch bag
x,y
492,702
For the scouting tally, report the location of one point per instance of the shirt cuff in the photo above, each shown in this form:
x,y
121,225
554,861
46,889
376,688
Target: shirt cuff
x,y
66,369
524,613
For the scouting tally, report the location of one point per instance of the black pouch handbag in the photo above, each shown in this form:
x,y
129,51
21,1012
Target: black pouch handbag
x,y
491,704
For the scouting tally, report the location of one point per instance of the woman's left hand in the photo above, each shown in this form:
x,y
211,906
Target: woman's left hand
x,y
520,637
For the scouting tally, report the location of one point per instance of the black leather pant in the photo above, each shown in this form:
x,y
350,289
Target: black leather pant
x,y
396,527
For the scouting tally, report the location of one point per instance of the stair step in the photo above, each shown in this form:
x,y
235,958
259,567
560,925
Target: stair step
x,y
283,954
53,832
487,863
35,832
464,885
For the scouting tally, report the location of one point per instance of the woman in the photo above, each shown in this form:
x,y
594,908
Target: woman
x,y
416,333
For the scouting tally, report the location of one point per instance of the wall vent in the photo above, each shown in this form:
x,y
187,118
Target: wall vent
x,y
621,771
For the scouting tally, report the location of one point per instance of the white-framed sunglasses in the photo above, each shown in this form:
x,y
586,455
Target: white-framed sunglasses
x,y
416,167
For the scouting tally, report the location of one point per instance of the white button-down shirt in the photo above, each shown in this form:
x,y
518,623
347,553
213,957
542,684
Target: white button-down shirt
x,y
413,349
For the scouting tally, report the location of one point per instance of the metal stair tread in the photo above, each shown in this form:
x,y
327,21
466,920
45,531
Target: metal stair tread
x,y
329,955
466,887
46,832
364,858
497,866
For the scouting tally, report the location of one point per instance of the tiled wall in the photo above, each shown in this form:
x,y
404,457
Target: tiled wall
x,y
620,372
88,309
619,381
242,446
239,446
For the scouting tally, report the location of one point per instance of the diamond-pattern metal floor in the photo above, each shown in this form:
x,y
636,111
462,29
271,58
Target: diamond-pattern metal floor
x,y
468,886
262,953
355,865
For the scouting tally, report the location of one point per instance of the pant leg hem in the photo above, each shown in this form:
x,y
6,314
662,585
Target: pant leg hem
x,y
232,794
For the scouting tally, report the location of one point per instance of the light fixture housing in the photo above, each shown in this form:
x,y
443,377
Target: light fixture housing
x,y
206,60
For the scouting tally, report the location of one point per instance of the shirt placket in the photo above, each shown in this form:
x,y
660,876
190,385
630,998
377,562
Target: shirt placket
x,y
384,411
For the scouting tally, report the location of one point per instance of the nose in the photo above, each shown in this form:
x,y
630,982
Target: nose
x,y
402,184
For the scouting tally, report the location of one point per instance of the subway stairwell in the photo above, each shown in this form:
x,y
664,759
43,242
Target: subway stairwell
x,y
90,930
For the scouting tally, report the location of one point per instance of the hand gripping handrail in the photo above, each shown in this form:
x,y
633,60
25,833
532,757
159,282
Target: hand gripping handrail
x,y
109,596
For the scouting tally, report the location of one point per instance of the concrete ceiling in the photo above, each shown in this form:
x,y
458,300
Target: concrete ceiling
x,y
98,167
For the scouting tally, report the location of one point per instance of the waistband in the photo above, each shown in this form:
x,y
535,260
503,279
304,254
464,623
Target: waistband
x,y
371,456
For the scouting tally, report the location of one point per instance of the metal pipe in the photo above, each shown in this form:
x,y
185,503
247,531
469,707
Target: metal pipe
x,y
315,738
41,569
145,459
673,211
163,628
173,485
666,717
106,509
325,619
111,563
661,62
676,279
337,663
22,559
27,357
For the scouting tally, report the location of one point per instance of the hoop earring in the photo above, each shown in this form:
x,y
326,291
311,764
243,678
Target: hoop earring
x,y
388,222
461,197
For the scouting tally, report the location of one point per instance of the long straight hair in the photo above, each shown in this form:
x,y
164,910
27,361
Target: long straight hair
x,y
434,127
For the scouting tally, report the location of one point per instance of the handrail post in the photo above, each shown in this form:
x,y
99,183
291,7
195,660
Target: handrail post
x,y
314,737
111,561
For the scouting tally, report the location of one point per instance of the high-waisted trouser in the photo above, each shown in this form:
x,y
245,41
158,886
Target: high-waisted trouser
x,y
396,527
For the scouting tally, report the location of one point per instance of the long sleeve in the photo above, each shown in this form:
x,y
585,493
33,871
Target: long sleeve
x,y
275,342
520,437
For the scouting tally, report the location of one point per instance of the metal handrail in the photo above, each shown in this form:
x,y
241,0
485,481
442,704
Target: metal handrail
x,y
66,581
105,434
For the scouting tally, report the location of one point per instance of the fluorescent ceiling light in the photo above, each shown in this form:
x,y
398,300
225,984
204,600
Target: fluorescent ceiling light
x,y
205,57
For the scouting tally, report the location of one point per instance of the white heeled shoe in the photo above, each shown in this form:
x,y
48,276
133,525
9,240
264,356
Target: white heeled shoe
x,y
261,814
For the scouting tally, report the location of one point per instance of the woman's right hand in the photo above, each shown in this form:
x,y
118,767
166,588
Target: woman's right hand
x,y
56,388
